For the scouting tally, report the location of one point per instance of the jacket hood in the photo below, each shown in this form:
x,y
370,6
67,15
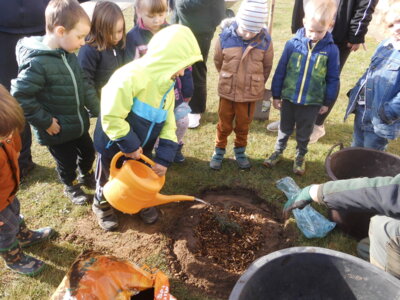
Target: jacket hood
x,y
301,36
169,51
29,47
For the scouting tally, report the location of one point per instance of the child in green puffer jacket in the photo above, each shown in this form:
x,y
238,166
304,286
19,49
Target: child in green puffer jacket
x,y
56,99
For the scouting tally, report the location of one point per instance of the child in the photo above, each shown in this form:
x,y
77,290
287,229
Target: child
x,y
243,57
104,51
306,78
376,97
55,96
13,232
137,107
151,19
202,17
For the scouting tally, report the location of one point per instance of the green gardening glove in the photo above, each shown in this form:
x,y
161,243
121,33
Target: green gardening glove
x,y
302,200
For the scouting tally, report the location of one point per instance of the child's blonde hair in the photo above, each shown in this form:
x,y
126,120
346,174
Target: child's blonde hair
x,y
11,114
321,11
66,13
153,6
393,14
105,17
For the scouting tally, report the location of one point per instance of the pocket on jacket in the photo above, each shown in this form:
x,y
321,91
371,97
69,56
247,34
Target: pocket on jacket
x,y
256,84
225,82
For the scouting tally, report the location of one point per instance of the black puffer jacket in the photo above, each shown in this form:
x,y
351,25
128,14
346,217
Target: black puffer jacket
x,y
352,20
22,16
51,84
100,65
201,16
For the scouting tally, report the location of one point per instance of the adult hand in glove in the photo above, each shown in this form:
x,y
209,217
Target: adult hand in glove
x,y
301,201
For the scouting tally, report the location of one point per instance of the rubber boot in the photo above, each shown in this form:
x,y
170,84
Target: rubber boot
x,y
88,180
76,195
241,158
27,237
216,159
19,262
179,158
105,215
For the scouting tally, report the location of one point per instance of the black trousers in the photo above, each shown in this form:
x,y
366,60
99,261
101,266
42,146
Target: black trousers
x,y
9,71
70,155
199,99
344,53
303,116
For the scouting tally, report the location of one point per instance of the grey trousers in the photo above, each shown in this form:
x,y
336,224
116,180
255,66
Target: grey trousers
x,y
303,118
384,235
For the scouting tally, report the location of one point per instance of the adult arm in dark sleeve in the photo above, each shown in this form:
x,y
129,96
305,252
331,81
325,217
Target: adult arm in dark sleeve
x,y
379,195
297,15
361,18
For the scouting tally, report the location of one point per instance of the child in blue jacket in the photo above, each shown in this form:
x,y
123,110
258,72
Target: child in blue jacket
x,y
375,100
306,81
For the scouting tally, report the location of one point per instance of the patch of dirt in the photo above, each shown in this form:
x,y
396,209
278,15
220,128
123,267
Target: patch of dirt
x,y
211,246
207,247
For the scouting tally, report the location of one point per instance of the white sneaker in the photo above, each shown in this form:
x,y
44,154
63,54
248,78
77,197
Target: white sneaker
x,y
274,126
194,120
318,132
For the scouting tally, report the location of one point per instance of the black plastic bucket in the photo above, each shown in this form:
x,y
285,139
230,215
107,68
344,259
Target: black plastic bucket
x,y
314,273
353,162
356,162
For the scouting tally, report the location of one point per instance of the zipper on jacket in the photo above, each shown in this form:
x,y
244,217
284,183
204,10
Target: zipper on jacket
x,y
76,91
303,81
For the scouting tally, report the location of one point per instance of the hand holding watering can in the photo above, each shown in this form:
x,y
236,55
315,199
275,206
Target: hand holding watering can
x,y
160,170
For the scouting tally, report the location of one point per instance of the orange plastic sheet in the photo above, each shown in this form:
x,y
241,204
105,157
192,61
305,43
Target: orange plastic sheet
x,y
97,276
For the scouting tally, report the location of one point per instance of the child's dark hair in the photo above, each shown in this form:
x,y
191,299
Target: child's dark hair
x,y
104,20
66,13
153,6
11,114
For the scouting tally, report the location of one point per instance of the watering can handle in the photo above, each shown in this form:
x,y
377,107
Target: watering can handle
x,y
333,147
147,160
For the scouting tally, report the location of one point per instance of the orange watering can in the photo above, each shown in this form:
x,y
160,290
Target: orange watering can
x,y
135,186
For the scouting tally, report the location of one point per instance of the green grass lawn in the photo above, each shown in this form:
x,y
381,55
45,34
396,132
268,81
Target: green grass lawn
x,y
44,204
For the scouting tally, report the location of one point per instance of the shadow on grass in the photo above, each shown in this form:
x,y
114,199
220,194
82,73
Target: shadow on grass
x,y
58,260
40,174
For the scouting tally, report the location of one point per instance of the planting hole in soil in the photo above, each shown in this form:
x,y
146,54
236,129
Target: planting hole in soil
x,y
212,245
207,246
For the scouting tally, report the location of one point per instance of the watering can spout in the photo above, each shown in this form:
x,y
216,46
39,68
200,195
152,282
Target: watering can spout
x,y
164,199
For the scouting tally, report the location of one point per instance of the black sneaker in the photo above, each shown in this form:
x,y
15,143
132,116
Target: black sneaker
x,y
21,263
179,158
105,215
76,195
149,215
88,180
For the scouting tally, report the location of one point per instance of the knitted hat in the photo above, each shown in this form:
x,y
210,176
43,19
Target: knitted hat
x,y
252,15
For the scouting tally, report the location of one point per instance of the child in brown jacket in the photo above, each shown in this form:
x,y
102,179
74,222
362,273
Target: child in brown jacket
x,y
243,57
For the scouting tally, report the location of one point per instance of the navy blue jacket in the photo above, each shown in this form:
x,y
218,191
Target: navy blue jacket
x,y
100,65
307,76
22,16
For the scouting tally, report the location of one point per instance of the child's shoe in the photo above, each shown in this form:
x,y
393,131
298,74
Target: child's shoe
x,y
27,237
216,159
19,262
273,159
76,195
179,158
241,158
299,165
149,215
318,132
105,215
88,180
194,120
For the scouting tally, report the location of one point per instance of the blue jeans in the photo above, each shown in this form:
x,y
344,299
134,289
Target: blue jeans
x,y
364,135
10,219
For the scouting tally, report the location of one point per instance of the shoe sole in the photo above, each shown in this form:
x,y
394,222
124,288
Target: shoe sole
x,y
300,173
270,165
32,274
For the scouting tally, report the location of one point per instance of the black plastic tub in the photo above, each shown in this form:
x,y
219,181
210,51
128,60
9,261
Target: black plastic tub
x,y
314,273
